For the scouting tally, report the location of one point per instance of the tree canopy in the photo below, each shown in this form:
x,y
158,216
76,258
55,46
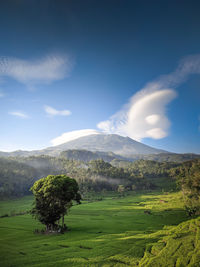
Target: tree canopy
x,y
53,198
189,180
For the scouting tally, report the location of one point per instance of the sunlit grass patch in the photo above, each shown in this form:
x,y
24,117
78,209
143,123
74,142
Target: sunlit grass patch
x,y
179,246
112,232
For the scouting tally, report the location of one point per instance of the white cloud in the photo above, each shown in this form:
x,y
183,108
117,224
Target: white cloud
x,y
69,136
31,72
54,112
19,114
145,114
153,119
156,133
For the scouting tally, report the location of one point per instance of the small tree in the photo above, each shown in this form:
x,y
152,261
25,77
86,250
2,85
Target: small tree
x,y
53,198
121,189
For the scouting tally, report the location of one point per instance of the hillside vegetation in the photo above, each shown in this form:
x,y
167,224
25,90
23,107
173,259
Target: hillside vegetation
x,y
177,246
18,174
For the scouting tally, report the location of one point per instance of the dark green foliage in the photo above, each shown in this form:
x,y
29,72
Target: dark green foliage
x,y
53,198
146,168
166,157
18,174
15,177
121,189
86,156
189,180
104,168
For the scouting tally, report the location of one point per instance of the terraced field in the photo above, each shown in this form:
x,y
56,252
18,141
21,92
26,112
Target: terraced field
x,y
137,230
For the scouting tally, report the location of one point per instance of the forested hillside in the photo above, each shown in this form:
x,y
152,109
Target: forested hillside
x,y
166,157
86,156
15,177
147,168
17,174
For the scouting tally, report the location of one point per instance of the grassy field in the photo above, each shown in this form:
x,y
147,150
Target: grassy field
x,y
111,232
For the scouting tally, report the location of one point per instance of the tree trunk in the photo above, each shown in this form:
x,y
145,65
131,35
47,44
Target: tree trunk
x,y
63,220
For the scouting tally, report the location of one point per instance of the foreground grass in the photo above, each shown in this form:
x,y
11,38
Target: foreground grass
x,y
112,232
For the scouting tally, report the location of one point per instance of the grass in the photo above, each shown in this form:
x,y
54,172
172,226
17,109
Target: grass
x,y
15,206
111,232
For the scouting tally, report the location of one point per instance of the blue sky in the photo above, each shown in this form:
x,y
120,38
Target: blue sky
x,y
125,67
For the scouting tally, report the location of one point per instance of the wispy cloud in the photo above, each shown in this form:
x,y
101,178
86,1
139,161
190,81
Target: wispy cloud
x,y
69,136
145,114
19,114
54,112
31,72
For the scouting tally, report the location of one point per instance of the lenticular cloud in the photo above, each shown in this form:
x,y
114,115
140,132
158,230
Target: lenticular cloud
x,y
145,114
69,136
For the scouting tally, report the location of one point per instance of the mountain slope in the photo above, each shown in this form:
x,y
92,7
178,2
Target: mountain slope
x,y
106,146
108,143
114,143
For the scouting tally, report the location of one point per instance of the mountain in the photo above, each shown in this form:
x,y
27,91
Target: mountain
x,y
117,144
108,143
105,146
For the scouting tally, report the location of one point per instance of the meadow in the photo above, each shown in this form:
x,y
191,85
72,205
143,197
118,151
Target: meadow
x,y
116,231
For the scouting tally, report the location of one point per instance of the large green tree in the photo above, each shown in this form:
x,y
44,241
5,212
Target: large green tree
x,y
53,198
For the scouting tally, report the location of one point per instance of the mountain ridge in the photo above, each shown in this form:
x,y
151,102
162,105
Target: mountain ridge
x,y
109,143
106,147
114,143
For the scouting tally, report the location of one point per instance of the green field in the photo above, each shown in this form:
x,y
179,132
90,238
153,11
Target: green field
x,y
112,232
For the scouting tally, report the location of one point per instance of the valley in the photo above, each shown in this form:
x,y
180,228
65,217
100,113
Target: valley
x,y
135,211
99,133
115,231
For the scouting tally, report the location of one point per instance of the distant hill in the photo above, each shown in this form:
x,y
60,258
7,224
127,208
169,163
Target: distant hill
x,y
86,156
166,157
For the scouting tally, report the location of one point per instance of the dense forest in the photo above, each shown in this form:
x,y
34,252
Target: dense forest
x,y
86,156
166,157
17,174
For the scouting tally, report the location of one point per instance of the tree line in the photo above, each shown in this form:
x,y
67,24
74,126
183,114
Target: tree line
x,y
18,174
